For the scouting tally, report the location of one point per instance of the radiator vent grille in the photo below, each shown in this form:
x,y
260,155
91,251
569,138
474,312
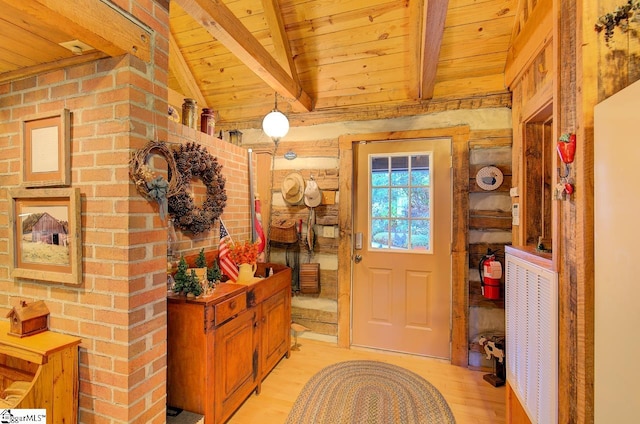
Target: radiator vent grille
x,y
532,338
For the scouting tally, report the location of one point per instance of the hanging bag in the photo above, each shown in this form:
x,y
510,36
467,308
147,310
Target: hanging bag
x,y
284,231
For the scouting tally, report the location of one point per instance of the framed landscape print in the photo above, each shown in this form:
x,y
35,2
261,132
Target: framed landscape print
x,y
45,150
45,234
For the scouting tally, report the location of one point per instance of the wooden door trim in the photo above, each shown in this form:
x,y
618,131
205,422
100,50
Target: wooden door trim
x,y
459,136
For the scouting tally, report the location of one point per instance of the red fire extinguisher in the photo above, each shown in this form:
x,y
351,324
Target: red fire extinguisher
x,y
490,270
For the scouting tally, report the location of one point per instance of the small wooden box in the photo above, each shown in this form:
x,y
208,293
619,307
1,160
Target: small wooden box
x,y
26,320
310,278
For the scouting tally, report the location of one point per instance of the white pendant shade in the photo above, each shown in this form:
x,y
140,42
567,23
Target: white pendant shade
x,y
275,124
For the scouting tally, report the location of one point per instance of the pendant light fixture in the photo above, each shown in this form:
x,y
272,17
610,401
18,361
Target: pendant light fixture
x,y
275,124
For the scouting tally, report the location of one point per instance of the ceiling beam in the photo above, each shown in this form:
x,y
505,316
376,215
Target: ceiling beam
x,y
281,44
180,70
382,111
436,14
416,29
97,23
534,34
222,24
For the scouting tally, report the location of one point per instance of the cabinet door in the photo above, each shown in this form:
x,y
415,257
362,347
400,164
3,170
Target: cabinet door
x,y
236,363
188,353
276,327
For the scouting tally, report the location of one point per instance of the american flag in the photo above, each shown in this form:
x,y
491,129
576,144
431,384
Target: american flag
x,y
226,264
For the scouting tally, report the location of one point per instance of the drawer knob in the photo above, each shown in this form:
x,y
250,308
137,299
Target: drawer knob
x,y
232,304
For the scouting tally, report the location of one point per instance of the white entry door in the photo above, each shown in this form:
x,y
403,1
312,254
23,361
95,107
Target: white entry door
x,y
401,287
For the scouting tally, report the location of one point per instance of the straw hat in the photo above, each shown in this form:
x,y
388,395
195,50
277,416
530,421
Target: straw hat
x,y
293,188
312,194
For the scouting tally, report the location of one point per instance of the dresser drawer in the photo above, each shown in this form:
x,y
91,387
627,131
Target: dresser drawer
x,y
229,308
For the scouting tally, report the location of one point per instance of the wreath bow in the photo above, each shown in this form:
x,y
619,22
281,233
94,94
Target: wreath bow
x,y
157,190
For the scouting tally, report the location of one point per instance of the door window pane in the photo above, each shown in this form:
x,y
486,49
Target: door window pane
x,y
420,235
420,203
399,203
400,171
379,232
380,203
399,233
400,196
380,172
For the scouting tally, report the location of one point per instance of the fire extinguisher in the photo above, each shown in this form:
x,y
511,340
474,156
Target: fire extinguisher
x,y
490,270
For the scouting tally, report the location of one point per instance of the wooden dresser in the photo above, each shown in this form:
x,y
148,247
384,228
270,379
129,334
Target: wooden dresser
x,y
40,372
221,347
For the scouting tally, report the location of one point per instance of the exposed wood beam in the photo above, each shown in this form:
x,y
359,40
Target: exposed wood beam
x,y
533,36
518,20
414,68
95,22
180,70
282,51
433,33
386,111
222,24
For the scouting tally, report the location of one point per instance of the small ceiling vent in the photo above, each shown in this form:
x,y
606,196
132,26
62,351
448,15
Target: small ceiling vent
x,y
77,47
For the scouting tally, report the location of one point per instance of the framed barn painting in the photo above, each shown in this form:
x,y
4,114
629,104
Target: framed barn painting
x,y
45,235
45,150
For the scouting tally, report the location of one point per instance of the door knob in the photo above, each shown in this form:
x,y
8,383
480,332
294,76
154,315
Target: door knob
x,y
357,259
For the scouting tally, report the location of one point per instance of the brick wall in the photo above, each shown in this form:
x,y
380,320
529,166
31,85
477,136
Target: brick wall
x,y
119,309
237,214
122,339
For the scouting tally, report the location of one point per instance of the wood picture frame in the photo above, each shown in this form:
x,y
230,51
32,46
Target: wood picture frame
x,y
45,150
45,234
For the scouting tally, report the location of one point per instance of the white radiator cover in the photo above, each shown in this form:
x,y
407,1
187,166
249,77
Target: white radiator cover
x,y
532,337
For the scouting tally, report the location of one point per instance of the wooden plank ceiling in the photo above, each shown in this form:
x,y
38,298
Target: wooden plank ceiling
x,y
320,56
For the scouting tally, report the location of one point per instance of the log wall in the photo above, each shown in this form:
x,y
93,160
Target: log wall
x,y
489,212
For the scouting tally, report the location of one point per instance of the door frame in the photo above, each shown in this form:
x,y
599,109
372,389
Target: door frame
x,y
459,136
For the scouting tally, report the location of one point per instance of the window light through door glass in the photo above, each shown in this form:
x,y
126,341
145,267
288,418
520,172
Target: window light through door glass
x,y
400,202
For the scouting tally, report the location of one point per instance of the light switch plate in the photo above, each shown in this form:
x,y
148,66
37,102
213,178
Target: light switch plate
x,y
328,231
515,214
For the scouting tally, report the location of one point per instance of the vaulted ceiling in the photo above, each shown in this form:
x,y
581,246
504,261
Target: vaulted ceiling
x,y
321,57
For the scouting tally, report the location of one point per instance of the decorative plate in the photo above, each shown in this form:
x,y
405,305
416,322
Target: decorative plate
x,y
489,178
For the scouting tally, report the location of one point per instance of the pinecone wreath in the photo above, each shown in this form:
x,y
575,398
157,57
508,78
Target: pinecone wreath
x,y
194,161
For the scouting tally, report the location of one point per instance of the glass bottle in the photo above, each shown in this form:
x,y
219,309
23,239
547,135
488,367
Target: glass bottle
x,y
207,121
189,113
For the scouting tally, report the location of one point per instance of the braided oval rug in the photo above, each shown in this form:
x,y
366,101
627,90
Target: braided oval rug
x,y
369,392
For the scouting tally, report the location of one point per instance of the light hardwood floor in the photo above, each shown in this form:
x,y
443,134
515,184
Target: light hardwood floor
x,y
471,399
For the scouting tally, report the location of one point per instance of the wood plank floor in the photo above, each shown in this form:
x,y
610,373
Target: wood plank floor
x,y
471,399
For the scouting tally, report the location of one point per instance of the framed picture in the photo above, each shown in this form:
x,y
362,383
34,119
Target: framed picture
x,y
45,234
45,150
